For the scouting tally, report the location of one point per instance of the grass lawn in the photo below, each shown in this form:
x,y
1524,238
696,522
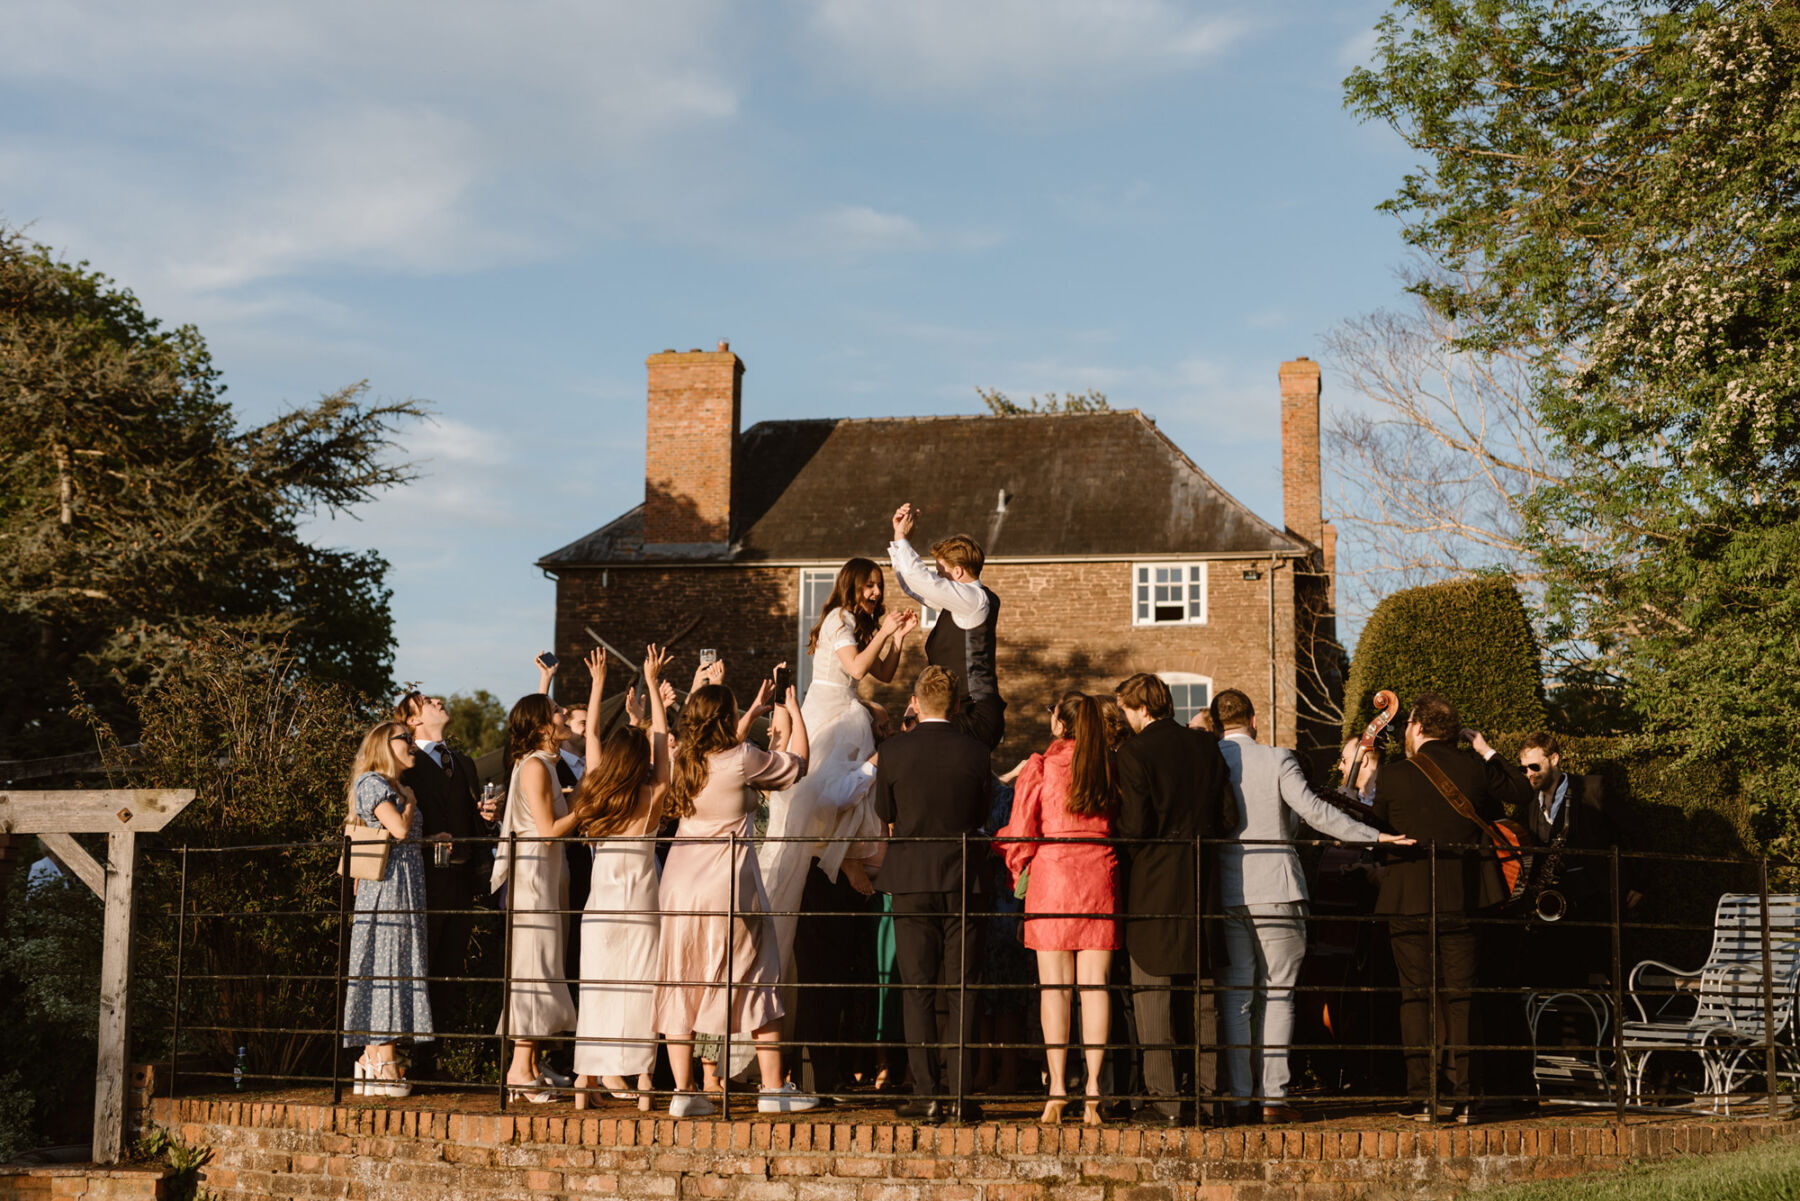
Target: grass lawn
x,y
1770,1172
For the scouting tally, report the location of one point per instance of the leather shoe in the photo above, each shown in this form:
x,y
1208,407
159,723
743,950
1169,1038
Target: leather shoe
x,y
921,1110
966,1111
1281,1113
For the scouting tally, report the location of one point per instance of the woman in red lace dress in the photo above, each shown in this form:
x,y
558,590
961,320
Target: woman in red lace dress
x,y
1069,791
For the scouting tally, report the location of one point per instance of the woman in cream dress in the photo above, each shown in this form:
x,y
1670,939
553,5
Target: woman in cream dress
x,y
537,995
618,804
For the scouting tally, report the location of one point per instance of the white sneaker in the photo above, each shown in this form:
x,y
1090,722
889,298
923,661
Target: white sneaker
x,y
689,1105
786,1099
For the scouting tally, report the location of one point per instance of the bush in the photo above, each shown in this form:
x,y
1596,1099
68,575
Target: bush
x,y
1468,639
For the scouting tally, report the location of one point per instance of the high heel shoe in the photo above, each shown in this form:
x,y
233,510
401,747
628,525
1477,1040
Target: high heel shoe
x,y
535,1092
359,1072
1090,1113
386,1081
1053,1111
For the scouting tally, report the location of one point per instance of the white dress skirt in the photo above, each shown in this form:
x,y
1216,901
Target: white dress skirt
x,y
616,1032
537,996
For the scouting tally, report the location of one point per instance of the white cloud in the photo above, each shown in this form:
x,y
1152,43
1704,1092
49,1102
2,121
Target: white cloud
x,y
1021,52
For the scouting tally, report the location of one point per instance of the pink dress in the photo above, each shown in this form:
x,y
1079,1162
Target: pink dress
x,y
701,886
1078,878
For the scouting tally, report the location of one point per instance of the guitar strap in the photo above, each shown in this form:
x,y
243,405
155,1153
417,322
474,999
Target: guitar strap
x,y
1457,801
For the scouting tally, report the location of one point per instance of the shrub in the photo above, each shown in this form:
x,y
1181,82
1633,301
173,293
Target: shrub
x,y
1468,639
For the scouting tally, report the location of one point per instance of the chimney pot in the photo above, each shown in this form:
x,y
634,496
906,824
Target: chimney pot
x,y
724,346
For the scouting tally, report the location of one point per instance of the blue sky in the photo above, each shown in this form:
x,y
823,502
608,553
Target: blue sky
x,y
502,209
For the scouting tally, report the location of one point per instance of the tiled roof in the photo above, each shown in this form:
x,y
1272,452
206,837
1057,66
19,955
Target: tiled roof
x,y
1076,484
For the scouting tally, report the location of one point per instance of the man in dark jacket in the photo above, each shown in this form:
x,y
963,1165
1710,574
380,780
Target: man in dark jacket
x,y
1174,785
1467,881
445,783
934,782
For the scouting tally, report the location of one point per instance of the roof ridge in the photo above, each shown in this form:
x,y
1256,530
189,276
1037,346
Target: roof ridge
x,y
924,417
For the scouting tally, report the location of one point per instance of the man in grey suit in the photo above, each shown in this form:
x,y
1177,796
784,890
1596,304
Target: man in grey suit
x,y
1264,895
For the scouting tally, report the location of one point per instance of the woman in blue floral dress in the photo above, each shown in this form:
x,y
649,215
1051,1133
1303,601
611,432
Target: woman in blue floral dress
x,y
386,997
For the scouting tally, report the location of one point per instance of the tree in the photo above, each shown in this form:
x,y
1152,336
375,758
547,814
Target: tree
x,y
477,722
1002,405
1609,192
135,516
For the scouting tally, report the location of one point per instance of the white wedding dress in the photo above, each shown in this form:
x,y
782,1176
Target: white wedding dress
x,y
834,800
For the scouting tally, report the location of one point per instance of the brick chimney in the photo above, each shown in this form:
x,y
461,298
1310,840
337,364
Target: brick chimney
x,y
1302,495
690,452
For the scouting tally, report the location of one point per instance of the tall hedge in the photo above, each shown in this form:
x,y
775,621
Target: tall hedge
x,y
1468,639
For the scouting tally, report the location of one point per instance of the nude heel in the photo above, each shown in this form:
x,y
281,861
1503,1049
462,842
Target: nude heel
x,y
1053,1111
1090,1114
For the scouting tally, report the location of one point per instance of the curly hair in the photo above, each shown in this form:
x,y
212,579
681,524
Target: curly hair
x,y
708,726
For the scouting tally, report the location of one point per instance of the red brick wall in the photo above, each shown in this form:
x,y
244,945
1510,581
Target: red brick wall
x,y
1062,625
691,445
301,1150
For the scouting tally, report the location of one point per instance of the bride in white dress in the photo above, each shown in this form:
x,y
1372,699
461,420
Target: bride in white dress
x,y
854,638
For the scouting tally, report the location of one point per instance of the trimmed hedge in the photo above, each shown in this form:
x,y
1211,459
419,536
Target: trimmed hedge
x,y
1468,639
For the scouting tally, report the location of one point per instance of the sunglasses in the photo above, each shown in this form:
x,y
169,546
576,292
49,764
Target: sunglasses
x,y
406,738
1533,768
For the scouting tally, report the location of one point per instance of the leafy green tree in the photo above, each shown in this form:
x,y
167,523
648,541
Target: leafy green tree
x,y
477,722
1002,405
1610,190
136,516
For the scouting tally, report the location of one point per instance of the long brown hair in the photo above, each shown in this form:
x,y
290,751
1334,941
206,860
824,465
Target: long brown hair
x,y
1093,773
530,727
708,725
376,754
608,791
850,580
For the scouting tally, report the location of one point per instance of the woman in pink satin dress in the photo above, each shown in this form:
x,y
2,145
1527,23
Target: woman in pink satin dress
x,y
704,887
1069,791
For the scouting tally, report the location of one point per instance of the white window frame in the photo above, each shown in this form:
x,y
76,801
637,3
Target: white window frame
x,y
809,576
1186,679
1194,586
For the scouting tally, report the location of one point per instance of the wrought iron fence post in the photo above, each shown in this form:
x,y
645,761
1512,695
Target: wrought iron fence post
x,y
506,937
1199,973
175,1017
1768,987
962,973
346,894
730,971
1618,987
1431,930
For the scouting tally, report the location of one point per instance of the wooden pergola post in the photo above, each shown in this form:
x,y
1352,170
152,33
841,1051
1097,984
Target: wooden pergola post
x,y
121,814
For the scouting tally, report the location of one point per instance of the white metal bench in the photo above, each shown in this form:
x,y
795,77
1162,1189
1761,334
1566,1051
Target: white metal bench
x,y
1733,1018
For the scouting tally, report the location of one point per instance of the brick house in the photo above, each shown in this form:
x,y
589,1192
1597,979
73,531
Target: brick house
x,y
1110,550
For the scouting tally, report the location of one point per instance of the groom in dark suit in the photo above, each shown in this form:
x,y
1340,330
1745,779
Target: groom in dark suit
x,y
933,782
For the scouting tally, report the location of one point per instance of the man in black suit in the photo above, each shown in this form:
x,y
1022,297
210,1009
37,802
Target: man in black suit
x,y
934,782
444,780
1173,784
1468,881
1570,813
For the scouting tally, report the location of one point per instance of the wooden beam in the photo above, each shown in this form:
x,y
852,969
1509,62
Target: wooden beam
x,y
115,999
91,811
73,858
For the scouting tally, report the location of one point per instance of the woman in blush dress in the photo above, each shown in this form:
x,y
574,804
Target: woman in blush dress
x,y
833,804
1069,791
618,804
386,998
704,885
537,995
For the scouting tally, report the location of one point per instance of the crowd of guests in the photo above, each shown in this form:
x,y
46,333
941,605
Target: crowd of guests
x,y
891,856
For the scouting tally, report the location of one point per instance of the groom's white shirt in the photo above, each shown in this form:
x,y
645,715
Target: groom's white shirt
x,y
966,603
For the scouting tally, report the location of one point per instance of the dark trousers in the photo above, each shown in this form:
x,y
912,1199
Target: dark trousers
x,y
983,719
934,946
834,945
1164,1008
447,936
1410,938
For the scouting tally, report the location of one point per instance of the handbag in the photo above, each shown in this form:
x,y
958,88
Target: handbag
x,y
367,853
1509,838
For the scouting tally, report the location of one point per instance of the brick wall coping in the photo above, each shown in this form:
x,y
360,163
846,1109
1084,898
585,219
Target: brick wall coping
x,y
1646,1139
89,1182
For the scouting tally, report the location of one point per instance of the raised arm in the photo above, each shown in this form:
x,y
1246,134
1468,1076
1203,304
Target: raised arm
x,y
861,663
546,674
656,660
596,665
796,744
966,603
757,708
889,660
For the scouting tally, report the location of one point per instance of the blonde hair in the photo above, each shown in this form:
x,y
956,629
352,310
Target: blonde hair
x,y
376,754
937,689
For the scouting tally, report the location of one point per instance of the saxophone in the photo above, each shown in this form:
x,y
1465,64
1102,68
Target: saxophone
x,y
1547,901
